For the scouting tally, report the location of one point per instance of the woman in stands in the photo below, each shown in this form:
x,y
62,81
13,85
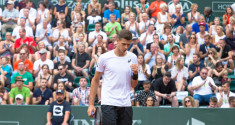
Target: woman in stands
x,y
60,7
159,68
191,48
163,19
42,13
94,5
3,94
77,9
142,7
79,30
219,73
126,15
7,47
61,86
193,15
41,45
212,58
167,31
132,25
97,53
177,18
60,30
45,74
81,39
228,13
149,101
60,46
171,61
218,36
231,24
180,74
189,102
78,21
213,28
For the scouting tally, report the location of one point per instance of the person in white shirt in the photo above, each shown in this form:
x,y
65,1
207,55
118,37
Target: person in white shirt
x,y
171,7
147,37
231,101
224,94
144,24
1,19
119,70
29,18
92,38
203,86
32,11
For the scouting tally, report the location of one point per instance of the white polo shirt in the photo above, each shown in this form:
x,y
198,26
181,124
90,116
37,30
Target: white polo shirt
x,y
205,89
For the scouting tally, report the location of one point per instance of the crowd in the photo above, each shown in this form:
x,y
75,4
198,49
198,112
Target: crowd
x,y
47,48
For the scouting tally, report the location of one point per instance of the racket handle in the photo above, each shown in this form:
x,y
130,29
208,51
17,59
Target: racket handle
x,y
93,113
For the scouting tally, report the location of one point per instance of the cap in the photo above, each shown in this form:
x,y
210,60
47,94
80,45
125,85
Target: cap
x,y
61,48
10,2
134,38
62,11
19,78
43,51
19,96
59,91
201,24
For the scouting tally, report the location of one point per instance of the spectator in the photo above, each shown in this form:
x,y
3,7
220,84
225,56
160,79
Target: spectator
x,y
61,87
78,9
228,13
15,2
147,37
43,60
224,94
60,6
80,61
97,53
158,68
59,111
213,28
171,60
50,6
19,89
26,76
190,48
219,73
23,3
193,15
79,21
204,47
177,18
155,40
19,100
231,24
41,45
144,24
219,35
136,47
24,40
5,71
79,30
196,25
126,15
145,94
45,75
3,94
213,102
165,89
113,11
185,37
203,86
180,74
231,102
132,25
60,30
172,7
29,20
82,93
229,39
94,5
142,7
67,21
23,58
92,38
208,16
113,44
113,27
155,7
94,18
7,47
62,60
65,77
9,17
84,6
200,35
100,43
168,47
189,102
164,36
149,102
212,58
163,19
42,95
61,46
32,11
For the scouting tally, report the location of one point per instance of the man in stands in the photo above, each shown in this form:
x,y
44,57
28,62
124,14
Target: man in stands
x,y
113,27
204,47
195,26
111,10
28,18
224,94
62,61
136,47
82,93
147,37
23,58
19,100
93,35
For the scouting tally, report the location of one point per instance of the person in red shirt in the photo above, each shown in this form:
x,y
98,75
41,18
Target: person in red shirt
x,y
27,62
25,40
155,7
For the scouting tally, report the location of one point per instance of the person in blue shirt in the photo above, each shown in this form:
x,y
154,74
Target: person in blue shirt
x,y
196,25
111,10
5,71
204,47
178,18
136,47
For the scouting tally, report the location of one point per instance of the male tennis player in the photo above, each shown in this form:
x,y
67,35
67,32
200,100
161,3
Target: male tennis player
x,y
119,71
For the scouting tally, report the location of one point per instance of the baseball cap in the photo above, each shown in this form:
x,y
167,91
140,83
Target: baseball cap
x,y
10,2
19,96
201,24
19,78
61,48
59,91
134,38
43,51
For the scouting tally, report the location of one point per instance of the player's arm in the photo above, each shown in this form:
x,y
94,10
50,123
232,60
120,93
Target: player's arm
x,y
134,78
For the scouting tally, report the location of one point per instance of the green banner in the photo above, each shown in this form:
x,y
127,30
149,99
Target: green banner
x,y
36,115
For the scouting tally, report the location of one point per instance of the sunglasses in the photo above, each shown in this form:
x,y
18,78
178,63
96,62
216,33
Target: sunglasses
x,y
186,101
18,99
59,69
22,53
204,73
149,100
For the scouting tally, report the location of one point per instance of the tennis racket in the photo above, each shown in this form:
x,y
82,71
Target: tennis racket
x,y
98,116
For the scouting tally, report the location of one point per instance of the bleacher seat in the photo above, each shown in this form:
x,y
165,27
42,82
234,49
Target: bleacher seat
x,y
91,27
77,79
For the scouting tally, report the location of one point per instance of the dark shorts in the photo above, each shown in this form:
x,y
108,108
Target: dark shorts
x,y
113,115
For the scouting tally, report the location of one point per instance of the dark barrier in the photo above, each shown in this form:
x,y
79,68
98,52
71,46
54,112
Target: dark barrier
x,y
36,115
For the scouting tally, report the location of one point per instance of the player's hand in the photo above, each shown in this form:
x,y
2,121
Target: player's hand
x,y
134,68
48,123
64,123
91,110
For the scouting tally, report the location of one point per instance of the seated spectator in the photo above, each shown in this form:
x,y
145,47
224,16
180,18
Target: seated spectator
x,y
179,31
196,25
190,48
171,60
62,17
16,4
78,10
168,47
94,5
142,7
219,73
3,94
61,86
19,89
92,38
24,40
45,75
65,77
193,16
60,6
61,46
81,39
203,86
163,19
177,18
149,102
100,43
231,24
5,72
231,102
62,60
147,37
84,7
180,74
24,58
113,44
37,70
173,5
42,95
212,58
57,58
80,61
185,37
155,7
7,47
158,68
228,13
29,20
200,35
165,89
157,41
125,15
113,11
209,16
82,93
41,45
213,102
166,32
80,30
9,17
219,35
49,4
213,28
136,47
60,30
79,21
21,4
229,39
97,53
144,24
112,27
30,7
144,94
106,5
26,76
94,17
188,102
224,94
19,100
205,47
132,25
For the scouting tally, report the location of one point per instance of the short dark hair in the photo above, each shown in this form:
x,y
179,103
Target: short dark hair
x,y
61,65
146,82
208,36
226,82
213,99
100,36
61,51
168,74
23,30
98,23
43,4
197,54
126,34
231,99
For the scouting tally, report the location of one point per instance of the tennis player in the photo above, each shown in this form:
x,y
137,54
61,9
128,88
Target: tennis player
x,y
118,69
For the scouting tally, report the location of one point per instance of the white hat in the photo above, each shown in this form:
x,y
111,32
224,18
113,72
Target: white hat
x,y
19,96
10,2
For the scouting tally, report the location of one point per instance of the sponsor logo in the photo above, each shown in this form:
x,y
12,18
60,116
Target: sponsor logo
x,y
194,121
186,4
129,60
92,122
220,6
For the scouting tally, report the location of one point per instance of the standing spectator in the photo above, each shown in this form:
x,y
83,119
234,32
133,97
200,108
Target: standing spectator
x,y
189,102
213,28
126,15
155,7
177,18
19,89
145,93
190,48
9,17
60,6
111,10
196,25
59,112
94,5
193,16
185,37
165,90
42,95
142,7
136,47
224,94
113,27
228,13
82,93
209,16
204,47
147,37
172,7
19,100
203,86
163,19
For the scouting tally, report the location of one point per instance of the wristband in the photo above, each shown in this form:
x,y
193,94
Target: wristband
x,y
135,76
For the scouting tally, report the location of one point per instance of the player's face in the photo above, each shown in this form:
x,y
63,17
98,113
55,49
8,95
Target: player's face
x,y
123,45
